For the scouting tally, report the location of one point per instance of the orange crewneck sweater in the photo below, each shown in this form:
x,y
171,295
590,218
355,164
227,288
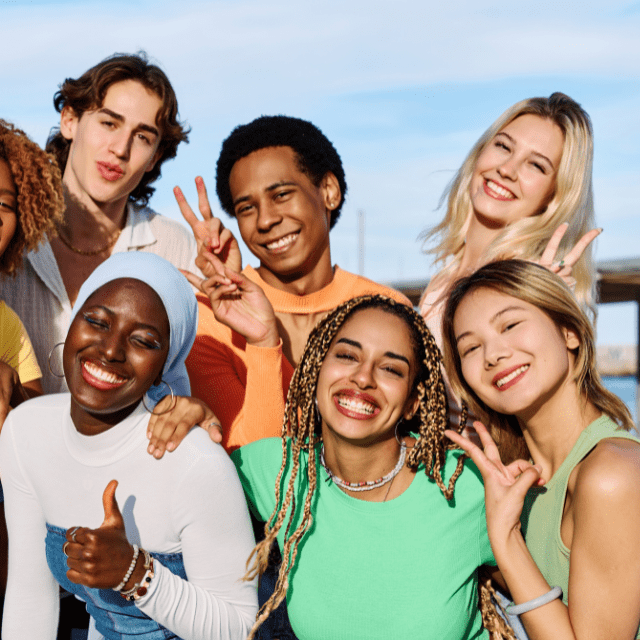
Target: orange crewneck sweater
x,y
246,386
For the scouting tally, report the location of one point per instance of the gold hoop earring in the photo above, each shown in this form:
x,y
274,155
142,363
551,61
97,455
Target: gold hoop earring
x,y
171,406
51,371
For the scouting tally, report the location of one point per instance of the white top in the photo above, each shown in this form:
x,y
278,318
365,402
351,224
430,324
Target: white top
x,y
38,295
191,501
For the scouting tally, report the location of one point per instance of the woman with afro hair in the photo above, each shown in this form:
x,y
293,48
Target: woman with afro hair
x,y
31,205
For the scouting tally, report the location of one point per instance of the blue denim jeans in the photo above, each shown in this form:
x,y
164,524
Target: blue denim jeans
x,y
115,618
503,602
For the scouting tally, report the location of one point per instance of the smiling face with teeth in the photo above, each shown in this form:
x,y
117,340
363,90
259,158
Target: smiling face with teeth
x,y
284,218
366,379
114,352
513,355
515,175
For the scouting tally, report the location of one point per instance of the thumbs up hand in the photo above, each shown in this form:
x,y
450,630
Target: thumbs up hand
x,y
99,558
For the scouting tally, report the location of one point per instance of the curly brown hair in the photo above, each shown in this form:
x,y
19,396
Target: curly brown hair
x,y
87,93
39,187
301,434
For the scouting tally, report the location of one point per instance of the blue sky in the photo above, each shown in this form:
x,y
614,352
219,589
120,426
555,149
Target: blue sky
x,y
403,90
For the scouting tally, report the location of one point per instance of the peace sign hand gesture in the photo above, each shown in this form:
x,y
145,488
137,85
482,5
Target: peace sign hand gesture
x,y
210,234
505,486
238,303
564,268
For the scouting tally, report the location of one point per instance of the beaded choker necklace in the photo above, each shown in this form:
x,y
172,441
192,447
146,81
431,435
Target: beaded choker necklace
x,y
367,485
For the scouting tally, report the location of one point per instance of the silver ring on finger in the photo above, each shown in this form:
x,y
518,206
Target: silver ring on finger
x,y
73,533
64,548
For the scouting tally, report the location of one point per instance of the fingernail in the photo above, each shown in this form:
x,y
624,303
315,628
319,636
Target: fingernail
x,y
170,446
157,454
600,229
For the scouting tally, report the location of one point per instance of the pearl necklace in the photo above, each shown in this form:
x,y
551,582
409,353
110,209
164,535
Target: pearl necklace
x,y
366,485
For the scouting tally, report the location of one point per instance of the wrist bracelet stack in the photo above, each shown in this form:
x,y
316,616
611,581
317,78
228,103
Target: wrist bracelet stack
x,y
140,589
132,566
530,605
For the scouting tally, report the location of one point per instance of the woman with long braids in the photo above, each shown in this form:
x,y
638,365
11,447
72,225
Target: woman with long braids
x,y
562,471
381,528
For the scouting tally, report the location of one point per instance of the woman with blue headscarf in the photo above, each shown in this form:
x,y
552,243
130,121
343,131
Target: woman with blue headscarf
x,y
164,556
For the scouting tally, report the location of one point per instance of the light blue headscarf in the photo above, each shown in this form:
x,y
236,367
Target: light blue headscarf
x,y
179,302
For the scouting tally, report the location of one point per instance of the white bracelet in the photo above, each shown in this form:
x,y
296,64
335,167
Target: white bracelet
x,y
140,590
530,605
132,566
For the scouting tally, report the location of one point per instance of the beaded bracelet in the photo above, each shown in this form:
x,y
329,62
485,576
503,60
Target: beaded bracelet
x,y
530,605
132,566
140,589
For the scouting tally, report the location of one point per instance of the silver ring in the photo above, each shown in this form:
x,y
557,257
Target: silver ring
x,y
73,533
214,422
64,548
561,264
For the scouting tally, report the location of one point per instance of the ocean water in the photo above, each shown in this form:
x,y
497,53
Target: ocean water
x,y
625,388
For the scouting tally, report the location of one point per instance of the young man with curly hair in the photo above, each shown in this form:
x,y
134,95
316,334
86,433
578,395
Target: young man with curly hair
x,y
283,181
118,125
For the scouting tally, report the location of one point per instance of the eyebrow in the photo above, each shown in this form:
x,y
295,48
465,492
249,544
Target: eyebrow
x,y
388,354
269,189
535,153
120,118
493,318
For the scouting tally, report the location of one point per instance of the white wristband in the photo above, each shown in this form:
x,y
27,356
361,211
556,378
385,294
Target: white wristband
x,y
530,605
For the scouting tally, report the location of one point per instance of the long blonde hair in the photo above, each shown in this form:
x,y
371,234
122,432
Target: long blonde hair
x,y
537,286
301,435
572,201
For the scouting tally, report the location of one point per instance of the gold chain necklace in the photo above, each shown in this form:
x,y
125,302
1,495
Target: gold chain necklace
x,y
95,252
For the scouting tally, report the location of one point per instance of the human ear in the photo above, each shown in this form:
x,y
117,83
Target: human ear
x,y
412,406
331,192
571,338
153,161
68,123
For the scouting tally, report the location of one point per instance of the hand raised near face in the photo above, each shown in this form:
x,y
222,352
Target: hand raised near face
x,y
505,486
564,267
100,558
210,233
238,303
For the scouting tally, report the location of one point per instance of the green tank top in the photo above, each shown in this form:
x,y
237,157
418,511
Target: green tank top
x,y
543,507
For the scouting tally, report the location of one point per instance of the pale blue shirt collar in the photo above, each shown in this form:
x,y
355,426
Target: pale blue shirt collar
x,y
137,233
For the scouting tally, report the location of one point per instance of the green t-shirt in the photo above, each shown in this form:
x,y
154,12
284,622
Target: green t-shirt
x,y
406,568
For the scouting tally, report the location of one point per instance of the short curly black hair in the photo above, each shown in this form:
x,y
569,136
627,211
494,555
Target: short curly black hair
x,y
315,154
